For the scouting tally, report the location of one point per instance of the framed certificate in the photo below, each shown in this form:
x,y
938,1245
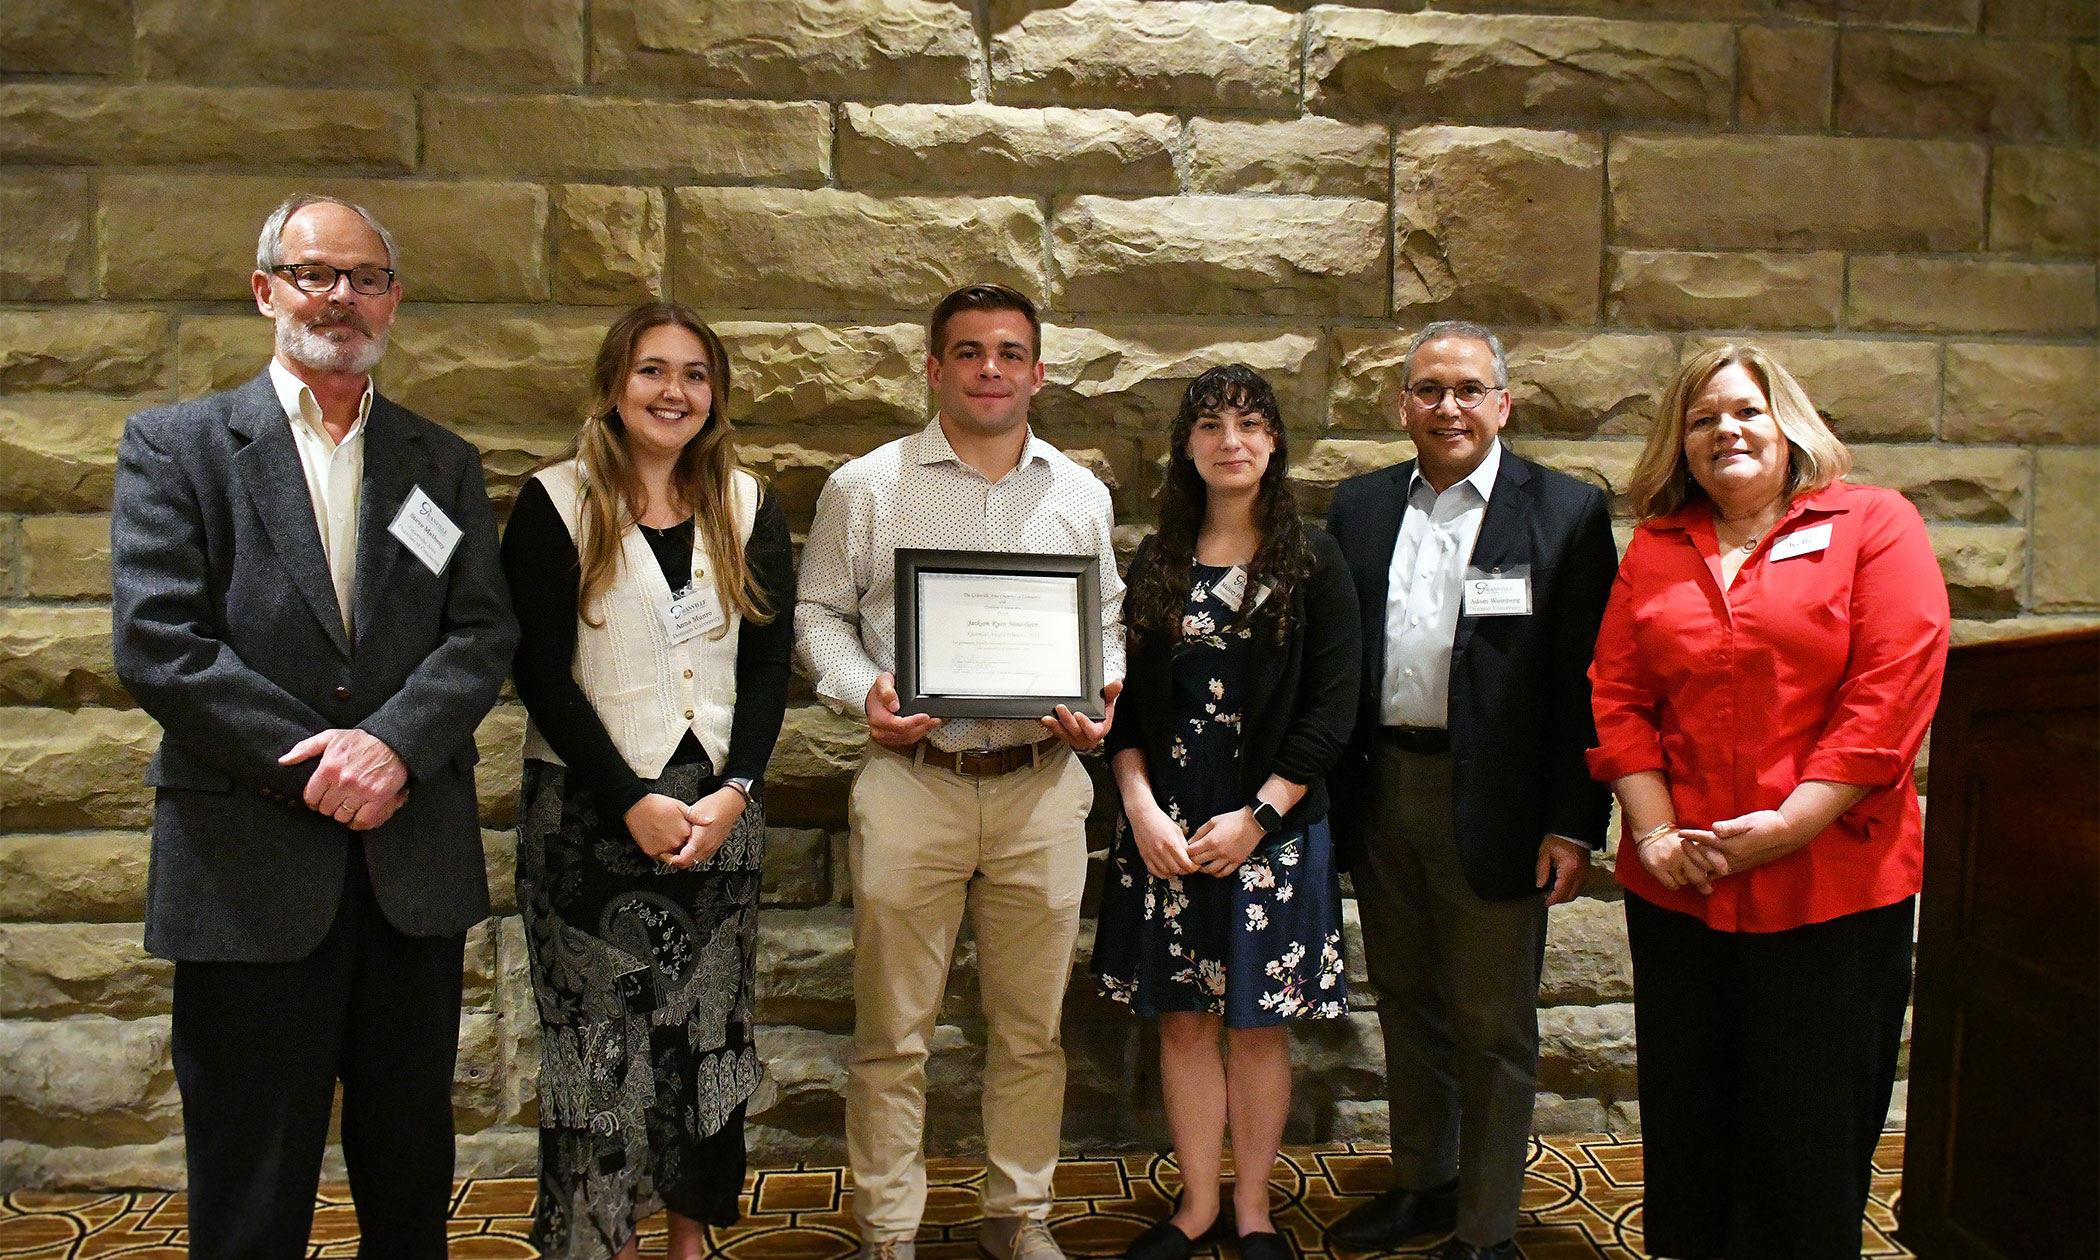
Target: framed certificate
x,y
999,635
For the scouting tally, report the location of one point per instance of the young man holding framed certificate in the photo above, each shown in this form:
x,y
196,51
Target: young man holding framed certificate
x,y
988,812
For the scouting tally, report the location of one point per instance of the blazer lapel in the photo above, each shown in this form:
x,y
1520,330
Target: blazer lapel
x,y
1503,530
275,482
1383,533
393,460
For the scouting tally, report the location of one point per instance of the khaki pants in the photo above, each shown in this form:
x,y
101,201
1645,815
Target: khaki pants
x,y
927,843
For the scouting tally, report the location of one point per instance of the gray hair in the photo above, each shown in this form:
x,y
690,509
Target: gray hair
x,y
266,245
1465,330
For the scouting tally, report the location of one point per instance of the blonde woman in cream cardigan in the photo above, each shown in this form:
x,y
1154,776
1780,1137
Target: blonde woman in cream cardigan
x,y
654,589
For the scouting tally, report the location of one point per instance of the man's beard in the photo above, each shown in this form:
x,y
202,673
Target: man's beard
x,y
307,344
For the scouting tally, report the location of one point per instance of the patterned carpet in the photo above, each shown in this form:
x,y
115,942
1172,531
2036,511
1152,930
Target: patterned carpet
x,y
1582,1203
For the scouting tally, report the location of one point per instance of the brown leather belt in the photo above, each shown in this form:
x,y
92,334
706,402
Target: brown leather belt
x,y
1421,740
981,763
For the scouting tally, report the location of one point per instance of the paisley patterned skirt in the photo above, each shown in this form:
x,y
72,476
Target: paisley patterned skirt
x,y
643,976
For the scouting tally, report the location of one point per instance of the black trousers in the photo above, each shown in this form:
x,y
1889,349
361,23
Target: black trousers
x,y
258,1050
1766,1064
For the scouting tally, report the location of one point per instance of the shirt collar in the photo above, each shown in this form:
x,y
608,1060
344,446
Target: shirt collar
x,y
930,446
1698,513
1482,478
300,406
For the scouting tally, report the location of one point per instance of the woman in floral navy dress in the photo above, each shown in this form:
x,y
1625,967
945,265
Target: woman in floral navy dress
x,y
1223,909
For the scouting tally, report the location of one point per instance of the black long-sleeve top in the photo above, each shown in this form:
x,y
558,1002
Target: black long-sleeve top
x,y
545,573
1301,694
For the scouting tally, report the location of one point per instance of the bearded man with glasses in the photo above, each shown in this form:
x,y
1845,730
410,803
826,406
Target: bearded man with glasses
x,y
1463,807
307,599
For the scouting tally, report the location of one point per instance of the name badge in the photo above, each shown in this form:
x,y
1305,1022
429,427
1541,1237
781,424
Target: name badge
x,y
1232,588
1802,542
1500,593
425,530
688,616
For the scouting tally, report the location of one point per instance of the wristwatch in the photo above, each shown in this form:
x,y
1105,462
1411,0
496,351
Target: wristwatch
x,y
1266,817
741,784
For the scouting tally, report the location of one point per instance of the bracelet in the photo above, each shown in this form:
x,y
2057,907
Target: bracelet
x,y
1654,834
738,788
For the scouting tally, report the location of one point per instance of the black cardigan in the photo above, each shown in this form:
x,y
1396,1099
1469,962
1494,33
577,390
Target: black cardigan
x,y
1301,693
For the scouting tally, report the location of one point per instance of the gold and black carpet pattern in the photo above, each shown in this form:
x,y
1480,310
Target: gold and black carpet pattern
x,y
1582,1201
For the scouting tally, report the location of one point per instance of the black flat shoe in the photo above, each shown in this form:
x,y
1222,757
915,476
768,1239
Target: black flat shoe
x,y
1395,1218
1163,1240
1266,1244
1456,1250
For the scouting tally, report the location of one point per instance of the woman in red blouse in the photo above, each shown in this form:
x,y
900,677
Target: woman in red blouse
x,y
1766,670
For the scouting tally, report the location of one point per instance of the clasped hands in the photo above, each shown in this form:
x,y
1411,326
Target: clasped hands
x,y
678,834
1217,848
1076,731
360,781
1693,857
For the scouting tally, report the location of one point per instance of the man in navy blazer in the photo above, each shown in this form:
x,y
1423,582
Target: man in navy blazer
x,y
307,599
1463,806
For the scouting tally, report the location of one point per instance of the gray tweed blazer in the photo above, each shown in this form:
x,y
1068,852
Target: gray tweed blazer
x,y
228,633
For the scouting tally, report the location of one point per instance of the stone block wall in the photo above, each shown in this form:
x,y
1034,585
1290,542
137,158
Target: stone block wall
x,y
1900,197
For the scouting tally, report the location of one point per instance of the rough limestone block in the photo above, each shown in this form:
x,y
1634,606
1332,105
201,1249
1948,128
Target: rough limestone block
x,y
152,125
57,654
1985,567
805,971
74,37
52,971
35,1166
1587,1051
798,373
1321,157
1001,149
46,245
2067,529
608,244
1222,255
77,877
193,236
79,769
2045,201
1587,959
93,349
1922,15
1605,465
478,972
1841,192
491,373
2064,19
1579,71
1971,295
580,137
1998,629
1162,53
10,555
911,50
1703,289
1865,390
1497,225
499,853
746,248
477,1076
1580,383
59,453
1979,485
1329,462
798,867
377,43
1784,76
501,741
1551,1113
89,1082
2012,393
220,352
1933,85
816,743
1133,377
65,557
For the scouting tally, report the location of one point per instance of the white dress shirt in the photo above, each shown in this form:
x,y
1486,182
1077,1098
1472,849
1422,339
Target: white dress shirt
x,y
335,477
1424,591
917,492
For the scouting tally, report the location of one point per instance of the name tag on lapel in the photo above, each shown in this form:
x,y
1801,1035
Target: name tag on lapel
x,y
1498,593
425,530
1802,542
697,612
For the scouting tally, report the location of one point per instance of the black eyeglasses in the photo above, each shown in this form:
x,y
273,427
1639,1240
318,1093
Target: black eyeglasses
x,y
366,278
1428,395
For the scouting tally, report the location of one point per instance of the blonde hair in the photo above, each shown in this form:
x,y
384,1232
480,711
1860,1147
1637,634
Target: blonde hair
x,y
701,479
1662,481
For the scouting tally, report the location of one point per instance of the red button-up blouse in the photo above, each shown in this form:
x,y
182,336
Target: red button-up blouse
x,y
1825,664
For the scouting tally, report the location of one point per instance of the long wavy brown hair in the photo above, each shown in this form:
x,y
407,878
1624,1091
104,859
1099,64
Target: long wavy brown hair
x,y
1284,557
700,480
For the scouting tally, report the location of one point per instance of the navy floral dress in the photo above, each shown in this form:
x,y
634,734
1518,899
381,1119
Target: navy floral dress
x,y
1260,946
